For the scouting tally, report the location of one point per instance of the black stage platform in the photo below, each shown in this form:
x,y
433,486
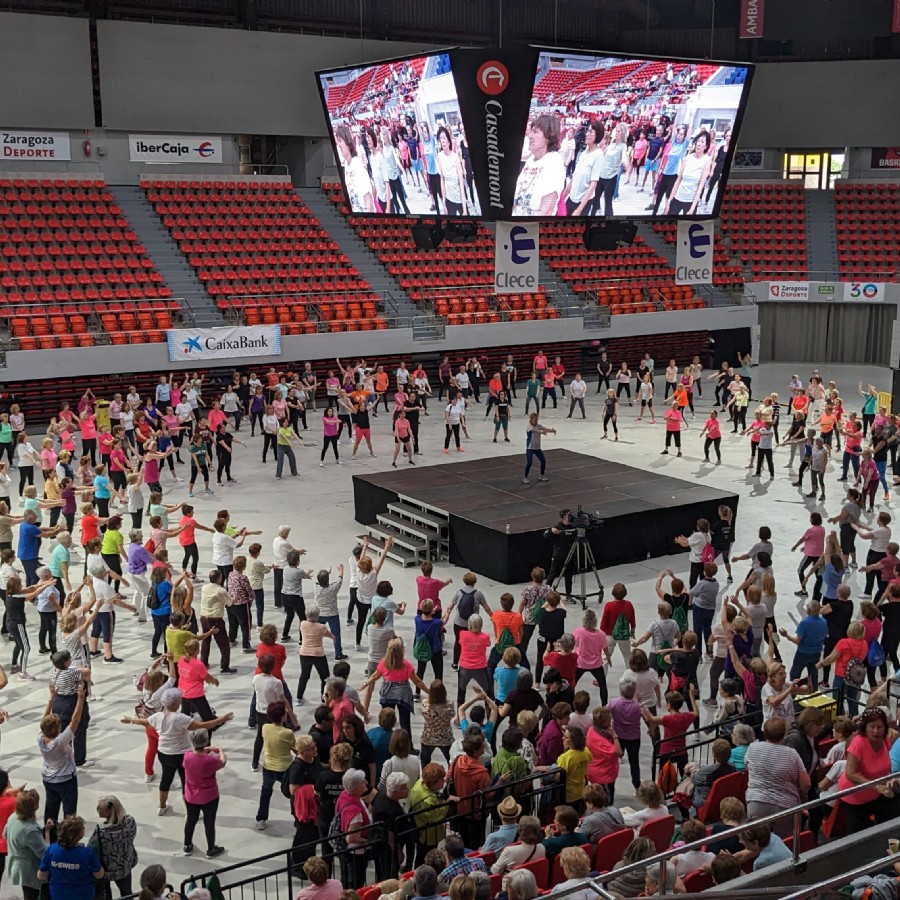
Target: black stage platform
x,y
643,510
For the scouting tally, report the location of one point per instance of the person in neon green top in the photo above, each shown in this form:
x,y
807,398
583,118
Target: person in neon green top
x,y
283,448
112,548
6,441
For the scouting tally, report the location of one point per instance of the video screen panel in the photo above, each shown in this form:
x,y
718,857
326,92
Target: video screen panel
x,y
629,137
398,137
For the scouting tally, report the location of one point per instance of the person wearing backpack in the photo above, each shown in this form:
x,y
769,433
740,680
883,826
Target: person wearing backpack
x,y
507,629
618,623
663,633
677,597
849,658
701,549
427,642
875,657
462,607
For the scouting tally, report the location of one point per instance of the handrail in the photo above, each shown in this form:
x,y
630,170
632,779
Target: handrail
x,y
812,890
794,811
825,275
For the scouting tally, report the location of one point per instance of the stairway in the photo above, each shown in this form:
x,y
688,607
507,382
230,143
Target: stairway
x,y
166,255
712,294
821,236
359,254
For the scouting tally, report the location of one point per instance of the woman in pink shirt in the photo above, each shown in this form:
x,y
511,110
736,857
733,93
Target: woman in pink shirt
x,y
312,652
713,431
474,646
87,422
215,417
430,588
813,540
193,677
331,425
201,791
321,887
753,429
673,427
402,437
852,446
590,645
397,672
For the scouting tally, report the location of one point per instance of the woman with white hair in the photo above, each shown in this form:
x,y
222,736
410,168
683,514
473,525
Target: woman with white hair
x,y
312,652
173,726
354,818
113,842
201,791
281,546
474,647
140,561
521,885
388,811
104,625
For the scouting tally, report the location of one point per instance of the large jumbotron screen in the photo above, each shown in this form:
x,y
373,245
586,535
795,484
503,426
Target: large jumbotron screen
x,y
628,137
399,140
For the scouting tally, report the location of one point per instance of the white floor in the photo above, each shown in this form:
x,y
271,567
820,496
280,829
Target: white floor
x,y
319,507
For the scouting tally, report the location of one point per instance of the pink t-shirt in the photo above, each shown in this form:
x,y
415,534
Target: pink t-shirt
x,y
540,362
151,471
396,675
755,427
403,428
872,764
332,889
200,785
872,628
589,645
814,541
429,589
713,428
215,417
341,710
105,442
118,461
330,426
88,427
673,420
191,676
474,648
48,459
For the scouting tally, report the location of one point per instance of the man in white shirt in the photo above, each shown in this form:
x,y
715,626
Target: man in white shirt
x,y
577,390
402,374
223,547
281,546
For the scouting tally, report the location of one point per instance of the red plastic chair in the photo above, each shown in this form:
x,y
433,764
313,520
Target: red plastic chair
x,y
540,868
659,831
733,785
611,848
698,881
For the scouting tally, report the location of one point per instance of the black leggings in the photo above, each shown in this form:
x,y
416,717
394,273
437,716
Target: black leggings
x,y
610,417
673,436
434,188
715,443
347,423
454,431
437,666
663,189
600,674
191,557
269,440
160,624
204,473
172,764
307,664
256,418
293,606
329,441
89,447
398,196
26,476
47,633
209,811
623,386
224,465
362,616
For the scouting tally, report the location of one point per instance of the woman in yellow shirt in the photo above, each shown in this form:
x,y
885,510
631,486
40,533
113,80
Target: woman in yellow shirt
x,y
278,747
112,548
574,760
283,449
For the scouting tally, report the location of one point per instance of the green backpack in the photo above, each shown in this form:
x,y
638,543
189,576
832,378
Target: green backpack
x,y
664,661
422,649
621,630
679,616
505,641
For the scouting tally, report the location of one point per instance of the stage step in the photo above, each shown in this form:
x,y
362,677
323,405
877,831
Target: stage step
x,y
438,525
417,531
401,554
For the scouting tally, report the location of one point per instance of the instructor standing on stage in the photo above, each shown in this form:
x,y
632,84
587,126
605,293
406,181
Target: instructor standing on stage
x,y
563,537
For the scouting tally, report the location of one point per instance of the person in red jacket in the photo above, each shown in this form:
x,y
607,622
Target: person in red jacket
x,y
558,370
618,607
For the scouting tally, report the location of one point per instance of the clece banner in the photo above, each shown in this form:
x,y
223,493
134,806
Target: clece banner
x,y
175,148
695,248
789,290
43,145
516,257
863,291
494,91
190,345
753,19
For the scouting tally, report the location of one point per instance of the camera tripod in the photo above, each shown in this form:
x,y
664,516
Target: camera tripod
x,y
583,556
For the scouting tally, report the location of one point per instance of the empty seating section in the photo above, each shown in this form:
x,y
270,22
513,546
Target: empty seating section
x,y
628,280
70,267
866,217
766,227
263,256
726,273
456,278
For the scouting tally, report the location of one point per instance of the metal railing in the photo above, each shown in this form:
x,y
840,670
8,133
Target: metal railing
x,y
795,813
284,867
201,172
824,275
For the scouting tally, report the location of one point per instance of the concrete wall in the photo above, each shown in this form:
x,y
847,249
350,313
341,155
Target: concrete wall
x,y
37,364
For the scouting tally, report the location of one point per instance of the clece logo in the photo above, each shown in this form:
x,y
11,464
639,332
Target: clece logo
x,y
698,241
492,77
192,344
206,150
519,245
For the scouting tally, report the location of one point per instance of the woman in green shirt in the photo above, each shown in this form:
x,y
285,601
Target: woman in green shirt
x,y
112,549
532,386
283,447
200,460
6,438
428,809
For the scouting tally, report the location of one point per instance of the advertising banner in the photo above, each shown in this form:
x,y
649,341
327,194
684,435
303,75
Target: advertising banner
x,y
865,291
43,145
895,18
753,18
175,148
516,257
789,290
885,157
694,251
190,345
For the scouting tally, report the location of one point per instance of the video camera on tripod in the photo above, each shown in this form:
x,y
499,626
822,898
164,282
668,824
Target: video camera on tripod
x,y
584,523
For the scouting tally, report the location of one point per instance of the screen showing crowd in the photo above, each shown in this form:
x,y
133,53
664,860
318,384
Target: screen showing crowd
x,y
398,138
636,138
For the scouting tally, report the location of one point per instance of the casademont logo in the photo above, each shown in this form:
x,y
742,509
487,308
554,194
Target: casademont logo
x,y
492,77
